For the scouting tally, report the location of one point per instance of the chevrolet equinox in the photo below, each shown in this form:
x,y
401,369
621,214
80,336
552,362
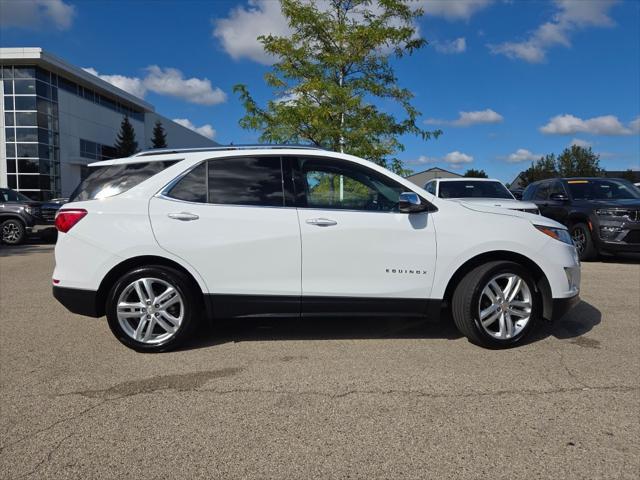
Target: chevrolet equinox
x,y
161,240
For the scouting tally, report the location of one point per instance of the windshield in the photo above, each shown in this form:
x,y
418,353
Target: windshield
x,y
473,189
601,190
112,180
7,195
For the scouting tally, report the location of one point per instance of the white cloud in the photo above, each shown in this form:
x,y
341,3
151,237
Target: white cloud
x,y
167,81
36,14
571,16
170,81
459,45
205,130
238,32
635,124
580,143
133,85
453,9
522,155
455,159
466,119
570,125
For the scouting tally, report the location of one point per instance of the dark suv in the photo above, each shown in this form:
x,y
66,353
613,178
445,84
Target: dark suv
x,y
602,214
21,216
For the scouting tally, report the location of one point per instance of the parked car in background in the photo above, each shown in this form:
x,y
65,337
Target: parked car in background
x,y
157,239
20,216
517,193
479,191
602,214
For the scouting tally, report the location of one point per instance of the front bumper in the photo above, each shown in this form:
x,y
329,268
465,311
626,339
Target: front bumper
x,y
81,302
615,235
561,306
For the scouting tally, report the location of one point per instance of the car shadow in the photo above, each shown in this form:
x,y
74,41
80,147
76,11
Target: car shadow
x,y
582,319
630,258
27,248
572,326
343,328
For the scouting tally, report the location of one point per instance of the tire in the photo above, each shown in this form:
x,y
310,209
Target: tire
x,y
583,241
13,232
469,299
170,326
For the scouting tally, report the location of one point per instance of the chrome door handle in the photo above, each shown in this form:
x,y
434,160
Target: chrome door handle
x,y
184,216
321,222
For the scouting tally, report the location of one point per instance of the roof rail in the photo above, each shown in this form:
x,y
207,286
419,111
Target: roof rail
x,y
166,151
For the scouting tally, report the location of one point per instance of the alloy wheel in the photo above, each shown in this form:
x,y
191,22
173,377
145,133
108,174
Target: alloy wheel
x,y
150,310
10,232
579,239
505,306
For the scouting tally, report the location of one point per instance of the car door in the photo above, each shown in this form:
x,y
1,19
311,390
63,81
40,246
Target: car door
x,y
227,218
359,253
541,198
556,209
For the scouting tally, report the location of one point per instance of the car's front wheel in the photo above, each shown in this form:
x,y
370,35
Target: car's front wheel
x,y
13,232
496,304
581,236
153,309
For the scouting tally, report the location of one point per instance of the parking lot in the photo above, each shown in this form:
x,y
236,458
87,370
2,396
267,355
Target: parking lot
x,y
332,399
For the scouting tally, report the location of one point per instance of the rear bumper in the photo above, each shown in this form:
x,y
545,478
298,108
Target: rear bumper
x,y
81,302
562,305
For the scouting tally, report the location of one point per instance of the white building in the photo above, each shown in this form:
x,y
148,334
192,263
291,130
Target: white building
x,y
57,118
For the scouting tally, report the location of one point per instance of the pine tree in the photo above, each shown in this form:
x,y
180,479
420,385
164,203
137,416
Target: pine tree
x,y
126,144
330,72
159,139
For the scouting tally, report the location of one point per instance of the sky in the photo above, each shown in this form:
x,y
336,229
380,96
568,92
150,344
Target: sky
x,y
505,80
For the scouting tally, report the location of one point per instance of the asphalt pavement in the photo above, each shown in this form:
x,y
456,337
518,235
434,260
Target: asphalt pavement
x,y
344,398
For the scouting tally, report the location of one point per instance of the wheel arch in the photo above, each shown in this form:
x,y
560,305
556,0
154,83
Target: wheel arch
x,y
542,283
578,217
142,261
4,216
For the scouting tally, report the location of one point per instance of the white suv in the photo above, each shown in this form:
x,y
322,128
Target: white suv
x,y
164,239
479,191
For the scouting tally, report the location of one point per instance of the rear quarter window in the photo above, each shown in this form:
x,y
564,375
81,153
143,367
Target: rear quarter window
x,y
111,180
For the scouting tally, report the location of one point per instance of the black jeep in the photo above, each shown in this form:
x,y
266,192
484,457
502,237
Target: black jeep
x,y
602,214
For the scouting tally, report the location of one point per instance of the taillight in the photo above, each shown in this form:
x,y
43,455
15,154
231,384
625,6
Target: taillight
x,y
66,219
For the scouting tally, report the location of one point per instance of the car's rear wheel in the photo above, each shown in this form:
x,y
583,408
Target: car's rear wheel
x,y
13,232
496,304
581,236
153,309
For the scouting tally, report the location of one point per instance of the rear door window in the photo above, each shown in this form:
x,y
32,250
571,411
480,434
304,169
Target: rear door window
x,y
111,180
246,181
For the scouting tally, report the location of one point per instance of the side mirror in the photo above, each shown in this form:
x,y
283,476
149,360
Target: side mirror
x,y
410,202
558,197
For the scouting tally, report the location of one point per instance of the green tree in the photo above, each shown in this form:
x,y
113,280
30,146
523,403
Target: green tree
x,y
544,167
159,139
126,144
328,73
473,173
577,161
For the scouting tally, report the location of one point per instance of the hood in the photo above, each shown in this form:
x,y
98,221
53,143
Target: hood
x,y
497,202
532,217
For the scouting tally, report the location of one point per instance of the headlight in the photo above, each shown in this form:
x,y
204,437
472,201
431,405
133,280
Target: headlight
x,y
561,234
610,212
